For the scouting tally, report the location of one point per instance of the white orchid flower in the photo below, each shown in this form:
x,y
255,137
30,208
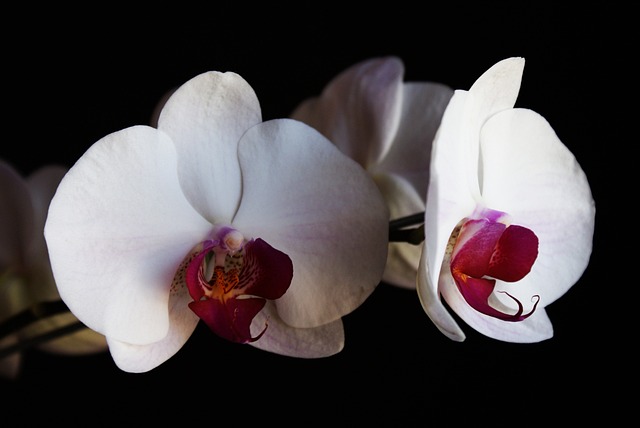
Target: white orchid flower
x,y
510,216
25,273
263,230
387,126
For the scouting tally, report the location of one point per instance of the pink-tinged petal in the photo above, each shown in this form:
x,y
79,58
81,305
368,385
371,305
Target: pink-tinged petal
x,y
266,272
409,156
310,201
402,259
118,228
282,339
536,328
16,217
429,296
142,358
359,110
530,174
230,318
205,118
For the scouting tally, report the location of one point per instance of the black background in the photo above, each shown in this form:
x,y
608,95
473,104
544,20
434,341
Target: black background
x,y
70,82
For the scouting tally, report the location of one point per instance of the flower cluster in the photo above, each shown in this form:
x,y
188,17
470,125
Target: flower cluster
x,y
270,232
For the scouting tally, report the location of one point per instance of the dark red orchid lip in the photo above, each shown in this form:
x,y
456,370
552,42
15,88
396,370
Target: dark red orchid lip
x,y
491,251
239,286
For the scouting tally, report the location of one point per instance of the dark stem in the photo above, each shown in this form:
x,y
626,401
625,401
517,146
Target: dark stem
x,y
410,220
399,230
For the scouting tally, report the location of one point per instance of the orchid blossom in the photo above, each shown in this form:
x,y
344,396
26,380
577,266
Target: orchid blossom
x,y
25,273
262,230
387,126
510,216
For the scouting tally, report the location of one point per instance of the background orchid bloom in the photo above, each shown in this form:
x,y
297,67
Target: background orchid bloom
x,y
521,204
387,126
25,272
264,229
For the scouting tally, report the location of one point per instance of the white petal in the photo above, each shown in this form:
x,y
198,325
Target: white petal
x,y
307,199
205,118
530,174
430,300
142,358
117,230
282,339
359,110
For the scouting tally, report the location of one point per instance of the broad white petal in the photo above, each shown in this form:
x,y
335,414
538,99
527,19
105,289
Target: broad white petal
x,y
282,339
142,358
307,199
205,118
429,296
531,175
359,110
118,228
536,328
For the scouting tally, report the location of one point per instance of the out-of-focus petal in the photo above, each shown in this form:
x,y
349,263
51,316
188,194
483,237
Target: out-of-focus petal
x,y
282,339
308,200
403,258
16,217
429,296
531,175
142,358
205,118
409,156
117,230
81,342
42,186
10,365
359,110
